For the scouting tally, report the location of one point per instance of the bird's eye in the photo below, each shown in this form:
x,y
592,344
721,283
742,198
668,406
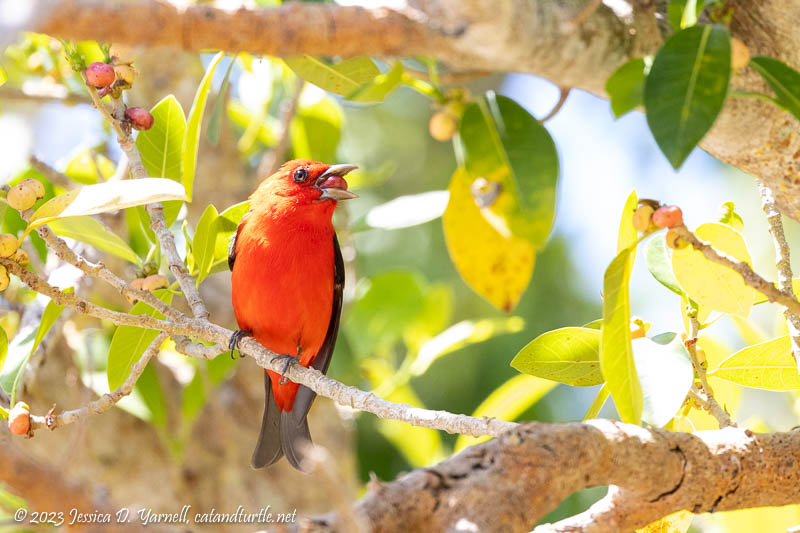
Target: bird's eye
x,y
300,175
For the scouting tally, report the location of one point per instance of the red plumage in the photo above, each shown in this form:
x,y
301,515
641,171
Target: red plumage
x,y
285,262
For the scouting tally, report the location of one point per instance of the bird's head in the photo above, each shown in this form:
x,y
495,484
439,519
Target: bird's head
x,y
309,182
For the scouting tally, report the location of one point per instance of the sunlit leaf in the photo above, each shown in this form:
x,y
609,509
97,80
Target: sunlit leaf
x,y
379,88
194,122
767,365
508,149
407,211
566,355
759,519
3,347
130,342
497,266
87,229
508,402
223,228
627,235
85,167
265,130
105,197
728,215
726,393
665,373
3,76
616,352
343,78
711,285
461,335
625,87
598,403
683,13
675,523
686,88
659,263
783,79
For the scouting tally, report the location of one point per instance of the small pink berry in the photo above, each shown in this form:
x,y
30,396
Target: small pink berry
x,y
668,216
140,119
100,74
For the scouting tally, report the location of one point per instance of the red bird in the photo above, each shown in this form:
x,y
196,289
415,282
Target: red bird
x,y
287,280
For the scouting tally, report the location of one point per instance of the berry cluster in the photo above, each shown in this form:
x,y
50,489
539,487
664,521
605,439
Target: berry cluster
x,y
113,80
650,216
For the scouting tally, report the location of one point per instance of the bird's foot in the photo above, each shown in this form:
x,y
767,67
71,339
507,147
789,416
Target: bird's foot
x,y
290,360
236,338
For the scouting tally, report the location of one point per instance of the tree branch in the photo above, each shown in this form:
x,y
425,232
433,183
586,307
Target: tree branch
x,y
750,277
783,263
509,483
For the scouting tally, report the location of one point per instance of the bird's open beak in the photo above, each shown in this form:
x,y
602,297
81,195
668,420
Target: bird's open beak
x,y
333,185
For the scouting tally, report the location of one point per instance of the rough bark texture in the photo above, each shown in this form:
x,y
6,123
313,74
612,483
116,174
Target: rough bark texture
x,y
511,482
561,41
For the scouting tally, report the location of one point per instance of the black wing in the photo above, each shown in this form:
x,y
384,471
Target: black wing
x,y
232,245
305,396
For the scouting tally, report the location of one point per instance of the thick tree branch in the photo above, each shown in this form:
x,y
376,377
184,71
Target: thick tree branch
x,y
577,44
509,483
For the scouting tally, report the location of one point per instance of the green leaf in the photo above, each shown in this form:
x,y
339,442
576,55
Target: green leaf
x,y
379,88
727,215
783,79
627,235
659,263
315,131
3,347
598,402
203,243
149,388
22,348
767,365
193,397
625,87
665,373
215,120
566,355
683,13
686,89
341,78
104,197
193,124
616,352
82,167
87,229
505,145
129,342
264,129
508,402
225,225
161,147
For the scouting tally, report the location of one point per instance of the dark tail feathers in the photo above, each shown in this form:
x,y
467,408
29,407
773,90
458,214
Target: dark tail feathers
x,y
280,434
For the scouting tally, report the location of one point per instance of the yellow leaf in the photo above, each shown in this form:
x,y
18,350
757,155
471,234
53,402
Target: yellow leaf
x,y
627,235
498,266
760,519
675,523
711,285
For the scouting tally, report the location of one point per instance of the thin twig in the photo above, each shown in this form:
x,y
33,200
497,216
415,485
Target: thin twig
x,y
53,176
272,158
783,264
106,401
750,277
561,99
704,396
708,403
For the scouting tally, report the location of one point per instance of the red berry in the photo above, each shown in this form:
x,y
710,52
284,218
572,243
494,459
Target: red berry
x,y
19,419
100,74
668,216
140,119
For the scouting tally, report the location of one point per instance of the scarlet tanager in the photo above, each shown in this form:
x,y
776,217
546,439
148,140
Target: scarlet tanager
x,y
287,283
